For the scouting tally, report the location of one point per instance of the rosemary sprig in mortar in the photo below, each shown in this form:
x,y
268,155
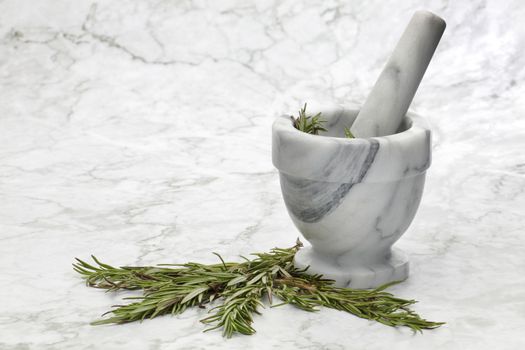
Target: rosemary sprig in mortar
x,y
308,124
240,287
313,124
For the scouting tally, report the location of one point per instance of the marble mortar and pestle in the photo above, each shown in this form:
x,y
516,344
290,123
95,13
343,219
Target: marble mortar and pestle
x,y
352,199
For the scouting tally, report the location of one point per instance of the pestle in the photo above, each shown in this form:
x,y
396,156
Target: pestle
x,y
384,109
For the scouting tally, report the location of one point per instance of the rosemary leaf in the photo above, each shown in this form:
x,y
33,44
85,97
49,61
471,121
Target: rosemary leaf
x,y
348,133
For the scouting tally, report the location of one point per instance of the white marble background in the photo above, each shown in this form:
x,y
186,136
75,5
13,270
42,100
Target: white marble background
x,y
140,132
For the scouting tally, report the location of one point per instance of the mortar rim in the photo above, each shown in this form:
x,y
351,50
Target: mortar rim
x,y
417,124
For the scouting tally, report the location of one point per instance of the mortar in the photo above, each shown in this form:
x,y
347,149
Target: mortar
x,y
352,199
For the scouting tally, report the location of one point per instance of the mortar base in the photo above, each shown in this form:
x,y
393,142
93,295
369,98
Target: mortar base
x,y
393,268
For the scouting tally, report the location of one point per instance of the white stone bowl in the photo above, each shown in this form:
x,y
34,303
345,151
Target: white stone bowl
x,y
352,198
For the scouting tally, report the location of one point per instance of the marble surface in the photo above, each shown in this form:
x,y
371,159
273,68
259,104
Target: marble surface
x,y
389,100
352,198
141,132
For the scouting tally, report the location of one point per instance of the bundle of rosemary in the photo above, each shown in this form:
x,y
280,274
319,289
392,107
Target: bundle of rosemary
x,y
313,124
240,288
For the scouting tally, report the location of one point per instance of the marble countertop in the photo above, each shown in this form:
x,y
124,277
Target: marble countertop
x,y
141,132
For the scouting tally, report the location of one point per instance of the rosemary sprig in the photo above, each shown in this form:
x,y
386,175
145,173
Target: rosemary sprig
x,y
241,287
313,124
308,124
348,133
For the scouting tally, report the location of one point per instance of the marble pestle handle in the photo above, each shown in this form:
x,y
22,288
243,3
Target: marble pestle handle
x,y
387,104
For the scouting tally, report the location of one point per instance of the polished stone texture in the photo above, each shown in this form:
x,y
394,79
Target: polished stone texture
x,y
140,131
390,98
352,198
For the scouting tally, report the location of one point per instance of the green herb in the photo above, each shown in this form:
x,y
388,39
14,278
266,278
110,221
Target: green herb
x,y
308,124
312,125
348,133
239,289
